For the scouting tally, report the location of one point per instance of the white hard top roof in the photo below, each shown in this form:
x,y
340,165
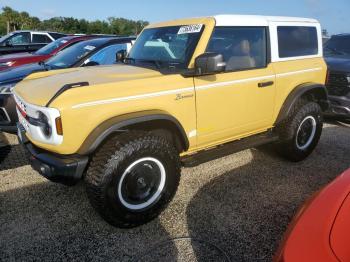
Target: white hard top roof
x,y
256,20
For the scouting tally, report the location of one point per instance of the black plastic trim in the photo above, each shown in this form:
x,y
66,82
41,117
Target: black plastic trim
x,y
116,124
297,93
229,148
66,170
65,88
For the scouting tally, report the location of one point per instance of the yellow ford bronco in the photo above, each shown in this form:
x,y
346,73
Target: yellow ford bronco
x,y
189,91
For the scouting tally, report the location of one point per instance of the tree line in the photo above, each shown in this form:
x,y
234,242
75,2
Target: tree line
x,y
12,20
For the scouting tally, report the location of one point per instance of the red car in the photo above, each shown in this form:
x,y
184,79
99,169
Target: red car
x,y
321,229
44,53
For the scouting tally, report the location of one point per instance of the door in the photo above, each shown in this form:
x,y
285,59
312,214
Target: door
x,y
18,42
239,101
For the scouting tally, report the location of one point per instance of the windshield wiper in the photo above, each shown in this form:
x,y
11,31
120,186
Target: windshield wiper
x,y
149,61
155,62
130,59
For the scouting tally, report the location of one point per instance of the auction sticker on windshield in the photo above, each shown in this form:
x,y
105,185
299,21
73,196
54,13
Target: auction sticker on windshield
x,y
89,47
190,29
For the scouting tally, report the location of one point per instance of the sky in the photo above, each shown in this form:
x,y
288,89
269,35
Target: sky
x,y
333,14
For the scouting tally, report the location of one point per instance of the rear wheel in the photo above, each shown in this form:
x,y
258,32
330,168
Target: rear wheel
x,y
301,131
132,178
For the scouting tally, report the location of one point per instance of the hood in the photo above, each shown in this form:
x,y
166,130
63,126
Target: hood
x,y
39,88
339,63
16,74
10,57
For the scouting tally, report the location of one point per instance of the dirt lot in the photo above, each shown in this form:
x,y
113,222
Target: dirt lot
x,y
236,207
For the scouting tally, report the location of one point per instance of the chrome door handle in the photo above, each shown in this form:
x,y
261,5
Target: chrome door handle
x,y
265,84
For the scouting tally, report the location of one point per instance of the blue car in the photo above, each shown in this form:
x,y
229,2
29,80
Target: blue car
x,y
98,51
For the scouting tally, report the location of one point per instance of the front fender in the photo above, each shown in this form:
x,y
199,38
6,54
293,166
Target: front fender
x,y
120,123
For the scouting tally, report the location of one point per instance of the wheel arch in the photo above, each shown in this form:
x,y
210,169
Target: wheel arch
x,y
310,91
145,120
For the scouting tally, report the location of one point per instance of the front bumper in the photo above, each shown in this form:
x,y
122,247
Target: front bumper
x,y
62,169
339,107
8,114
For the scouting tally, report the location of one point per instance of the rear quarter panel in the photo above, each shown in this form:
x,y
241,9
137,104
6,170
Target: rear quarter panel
x,y
290,74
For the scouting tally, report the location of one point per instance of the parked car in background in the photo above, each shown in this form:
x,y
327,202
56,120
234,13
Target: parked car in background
x,y
320,229
26,41
97,51
191,90
44,53
337,56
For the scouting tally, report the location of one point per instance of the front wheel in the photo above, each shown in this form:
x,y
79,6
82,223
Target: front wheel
x,y
132,178
301,131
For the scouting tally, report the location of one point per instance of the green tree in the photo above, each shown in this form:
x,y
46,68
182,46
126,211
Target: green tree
x,y
11,17
11,20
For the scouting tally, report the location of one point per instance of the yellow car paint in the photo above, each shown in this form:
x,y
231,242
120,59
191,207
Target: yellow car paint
x,y
212,109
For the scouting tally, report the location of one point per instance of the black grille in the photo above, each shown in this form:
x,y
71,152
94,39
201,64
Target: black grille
x,y
3,116
338,84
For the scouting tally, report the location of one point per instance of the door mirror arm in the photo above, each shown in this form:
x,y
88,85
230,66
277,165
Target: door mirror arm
x,y
120,56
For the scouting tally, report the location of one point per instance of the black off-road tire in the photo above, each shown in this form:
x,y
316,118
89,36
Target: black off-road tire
x,y
111,161
288,146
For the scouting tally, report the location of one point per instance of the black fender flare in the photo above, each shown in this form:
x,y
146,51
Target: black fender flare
x,y
119,123
317,91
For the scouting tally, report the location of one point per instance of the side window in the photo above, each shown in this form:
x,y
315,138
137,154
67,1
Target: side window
x,y
294,41
20,39
107,56
40,39
242,47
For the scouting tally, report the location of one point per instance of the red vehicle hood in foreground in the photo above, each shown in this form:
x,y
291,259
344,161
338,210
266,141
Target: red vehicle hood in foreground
x,y
321,229
18,59
14,56
14,60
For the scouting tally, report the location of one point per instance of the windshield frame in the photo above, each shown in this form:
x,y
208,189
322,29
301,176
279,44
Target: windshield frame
x,y
163,65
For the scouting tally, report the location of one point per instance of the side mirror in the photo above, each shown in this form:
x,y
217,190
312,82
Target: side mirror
x,y
120,56
209,63
8,43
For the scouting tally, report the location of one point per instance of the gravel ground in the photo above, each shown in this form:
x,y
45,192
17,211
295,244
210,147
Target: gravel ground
x,y
235,208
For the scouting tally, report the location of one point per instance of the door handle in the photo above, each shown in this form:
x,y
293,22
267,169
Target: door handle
x,y
265,84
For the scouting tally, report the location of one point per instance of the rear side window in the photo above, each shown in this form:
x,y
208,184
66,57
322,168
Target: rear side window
x,y
294,41
39,39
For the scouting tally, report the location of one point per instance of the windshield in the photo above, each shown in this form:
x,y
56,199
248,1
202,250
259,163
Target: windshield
x,y
73,54
166,47
3,38
339,45
48,49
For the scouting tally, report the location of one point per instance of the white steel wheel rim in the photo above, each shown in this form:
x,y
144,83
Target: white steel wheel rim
x,y
312,135
155,195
